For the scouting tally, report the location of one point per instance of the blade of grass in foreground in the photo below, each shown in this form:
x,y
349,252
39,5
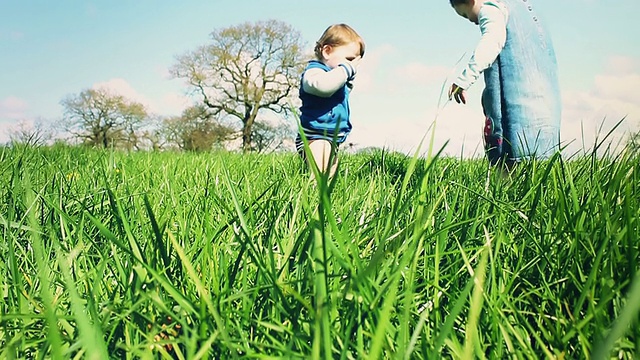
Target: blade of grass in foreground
x,y
202,291
472,340
385,316
53,334
90,333
176,294
623,322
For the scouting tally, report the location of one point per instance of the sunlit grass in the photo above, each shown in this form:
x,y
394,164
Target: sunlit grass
x,y
223,255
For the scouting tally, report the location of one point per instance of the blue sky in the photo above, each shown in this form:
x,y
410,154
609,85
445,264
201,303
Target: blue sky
x,y
50,50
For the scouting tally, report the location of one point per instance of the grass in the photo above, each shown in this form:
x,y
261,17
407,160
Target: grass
x,y
223,255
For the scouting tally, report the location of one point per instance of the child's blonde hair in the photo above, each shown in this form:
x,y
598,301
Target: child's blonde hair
x,y
338,35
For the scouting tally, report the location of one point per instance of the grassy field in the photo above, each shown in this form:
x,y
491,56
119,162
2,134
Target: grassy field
x,y
220,255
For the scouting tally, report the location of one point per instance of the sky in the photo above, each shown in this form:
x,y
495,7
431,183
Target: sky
x,y
50,50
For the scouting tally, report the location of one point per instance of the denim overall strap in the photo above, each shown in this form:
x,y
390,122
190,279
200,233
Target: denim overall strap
x,y
521,99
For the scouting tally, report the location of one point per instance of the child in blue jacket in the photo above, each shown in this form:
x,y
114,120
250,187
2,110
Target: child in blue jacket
x,y
324,91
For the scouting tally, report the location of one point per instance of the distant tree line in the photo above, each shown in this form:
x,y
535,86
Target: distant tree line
x,y
243,83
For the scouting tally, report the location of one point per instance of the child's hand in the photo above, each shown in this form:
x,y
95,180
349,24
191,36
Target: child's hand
x,y
350,85
458,94
355,62
352,65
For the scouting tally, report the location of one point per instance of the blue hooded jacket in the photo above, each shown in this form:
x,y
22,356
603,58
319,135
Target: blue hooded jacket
x,y
321,116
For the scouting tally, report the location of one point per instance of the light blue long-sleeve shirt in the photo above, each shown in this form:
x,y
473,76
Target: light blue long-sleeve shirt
x,y
492,18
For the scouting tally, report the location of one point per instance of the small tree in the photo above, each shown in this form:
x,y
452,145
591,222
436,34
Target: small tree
x,y
153,135
99,118
196,130
246,69
271,136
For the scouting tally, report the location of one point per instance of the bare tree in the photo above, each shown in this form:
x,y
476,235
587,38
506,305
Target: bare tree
x,y
33,134
102,119
244,70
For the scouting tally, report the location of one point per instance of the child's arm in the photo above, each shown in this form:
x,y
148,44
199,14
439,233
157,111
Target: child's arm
x,y
493,25
325,83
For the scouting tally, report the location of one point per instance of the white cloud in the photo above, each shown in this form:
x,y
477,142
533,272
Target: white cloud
x,y
123,88
621,65
618,87
13,116
419,73
167,103
8,127
369,65
592,113
12,108
173,103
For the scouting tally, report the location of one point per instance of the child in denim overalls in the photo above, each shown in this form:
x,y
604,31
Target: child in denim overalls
x,y
521,99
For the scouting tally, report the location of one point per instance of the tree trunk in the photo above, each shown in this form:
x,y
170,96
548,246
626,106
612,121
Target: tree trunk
x,y
249,118
246,137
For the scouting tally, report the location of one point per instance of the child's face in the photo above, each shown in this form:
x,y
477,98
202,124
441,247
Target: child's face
x,y
336,55
469,10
